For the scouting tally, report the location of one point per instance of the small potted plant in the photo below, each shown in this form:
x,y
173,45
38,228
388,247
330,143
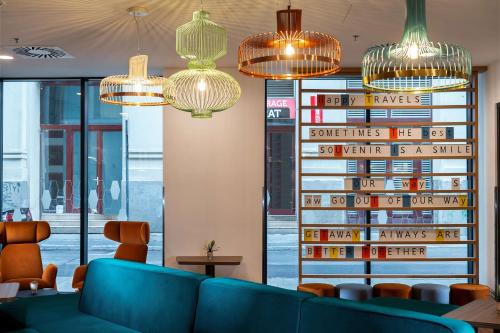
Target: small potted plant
x,y
211,247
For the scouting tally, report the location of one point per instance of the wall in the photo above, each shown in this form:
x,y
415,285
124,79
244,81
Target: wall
x,y
213,186
213,181
490,85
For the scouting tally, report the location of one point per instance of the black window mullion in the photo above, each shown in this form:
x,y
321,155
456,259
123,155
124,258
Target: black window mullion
x,y
83,173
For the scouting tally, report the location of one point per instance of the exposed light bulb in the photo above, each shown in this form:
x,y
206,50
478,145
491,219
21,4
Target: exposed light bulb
x,y
289,50
413,51
6,57
202,85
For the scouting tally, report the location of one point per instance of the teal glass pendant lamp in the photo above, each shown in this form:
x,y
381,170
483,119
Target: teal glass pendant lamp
x,y
202,89
416,64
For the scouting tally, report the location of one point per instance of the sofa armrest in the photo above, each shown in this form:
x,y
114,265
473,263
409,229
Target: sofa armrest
x,y
79,277
49,275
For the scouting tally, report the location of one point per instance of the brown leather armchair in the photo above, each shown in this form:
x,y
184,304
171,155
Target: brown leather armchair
x,y
133,238
20,258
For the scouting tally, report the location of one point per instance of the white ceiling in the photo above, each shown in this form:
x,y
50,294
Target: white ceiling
x,y
101,35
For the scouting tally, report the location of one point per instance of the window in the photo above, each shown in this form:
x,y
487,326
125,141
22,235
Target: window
x,y
39,183
42,174
125,171
327,175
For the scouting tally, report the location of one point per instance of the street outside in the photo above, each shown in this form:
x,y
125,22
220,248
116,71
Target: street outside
x,y
64,250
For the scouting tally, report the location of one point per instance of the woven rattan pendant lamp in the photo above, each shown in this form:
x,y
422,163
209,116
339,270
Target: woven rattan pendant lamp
x,y
290,52
415,64
137,88
201,89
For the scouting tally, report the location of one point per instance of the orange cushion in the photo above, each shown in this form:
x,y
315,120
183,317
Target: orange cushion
x,y
42,231
132,252
24,232
318,289
21,261
78,285
463,293
134,233
398,290
127,232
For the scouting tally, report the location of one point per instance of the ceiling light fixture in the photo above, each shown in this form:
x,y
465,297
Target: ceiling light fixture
x,y
416,64
289,53
137,88
201,89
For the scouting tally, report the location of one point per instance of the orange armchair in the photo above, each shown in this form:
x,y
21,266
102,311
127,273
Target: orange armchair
x,y
133,238
20,258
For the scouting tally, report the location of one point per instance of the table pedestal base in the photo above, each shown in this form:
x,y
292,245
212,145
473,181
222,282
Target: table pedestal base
x,y
210,270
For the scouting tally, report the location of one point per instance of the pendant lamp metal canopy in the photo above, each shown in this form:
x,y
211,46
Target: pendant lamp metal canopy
x,y
201,89
415,64
137,88
290,52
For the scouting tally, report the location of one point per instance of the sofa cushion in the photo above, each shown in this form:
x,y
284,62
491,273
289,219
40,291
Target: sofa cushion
x,y
81,323
142,297
328,315
25,312
57,313
229,306
436,309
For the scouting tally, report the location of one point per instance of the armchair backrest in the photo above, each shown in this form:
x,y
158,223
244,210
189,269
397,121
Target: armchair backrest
x,y
23,232
133,238
20,256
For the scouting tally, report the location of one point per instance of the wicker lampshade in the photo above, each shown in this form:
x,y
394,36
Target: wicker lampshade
x,y
289,53
416,64
136,88
202,91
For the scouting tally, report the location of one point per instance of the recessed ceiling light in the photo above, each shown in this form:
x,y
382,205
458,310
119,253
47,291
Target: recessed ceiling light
x,y
6,57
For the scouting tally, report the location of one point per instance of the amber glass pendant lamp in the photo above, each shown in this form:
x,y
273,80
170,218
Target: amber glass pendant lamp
x,y
290,52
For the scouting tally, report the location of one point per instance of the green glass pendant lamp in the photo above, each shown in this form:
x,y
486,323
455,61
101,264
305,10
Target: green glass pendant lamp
x,y
201,89
416,64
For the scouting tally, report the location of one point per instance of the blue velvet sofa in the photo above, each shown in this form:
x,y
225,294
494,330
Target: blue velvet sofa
x,y
120,296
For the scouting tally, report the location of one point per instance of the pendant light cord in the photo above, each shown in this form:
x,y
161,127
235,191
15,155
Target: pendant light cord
x,y
137,34
202,45
289,15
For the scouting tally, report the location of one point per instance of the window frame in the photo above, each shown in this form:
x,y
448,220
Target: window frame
x,y
83,128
